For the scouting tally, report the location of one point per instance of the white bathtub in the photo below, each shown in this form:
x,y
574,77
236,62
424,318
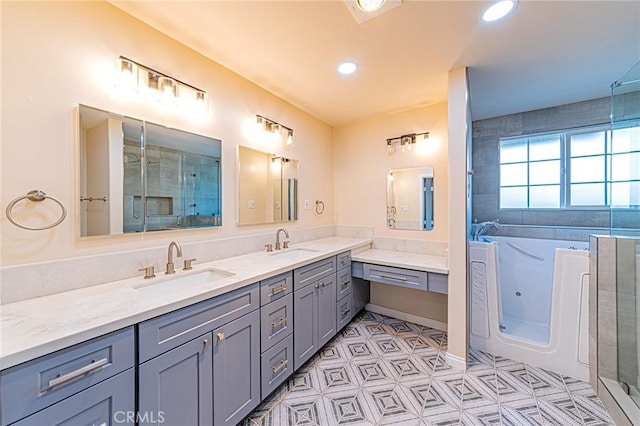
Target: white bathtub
x,y
529,302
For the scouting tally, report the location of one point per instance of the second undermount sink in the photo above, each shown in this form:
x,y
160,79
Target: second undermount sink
x,y
292,252
181,279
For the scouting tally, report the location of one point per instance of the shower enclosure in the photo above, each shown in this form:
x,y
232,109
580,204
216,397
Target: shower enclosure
x,y
615,272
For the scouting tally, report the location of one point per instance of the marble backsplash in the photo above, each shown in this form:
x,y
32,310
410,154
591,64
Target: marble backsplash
x,y
27,281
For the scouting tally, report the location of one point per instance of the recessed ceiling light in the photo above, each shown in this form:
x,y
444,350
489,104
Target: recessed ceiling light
x,y
347,68
498,10
370,5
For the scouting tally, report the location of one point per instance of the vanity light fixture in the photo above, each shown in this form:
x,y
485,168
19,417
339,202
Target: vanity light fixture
x,y
406,142
269,126
140,79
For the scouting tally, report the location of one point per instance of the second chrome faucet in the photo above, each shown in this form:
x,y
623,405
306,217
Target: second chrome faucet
x,y
285,243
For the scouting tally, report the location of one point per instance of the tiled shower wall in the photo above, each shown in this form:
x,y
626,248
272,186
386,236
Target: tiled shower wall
x,y
548,224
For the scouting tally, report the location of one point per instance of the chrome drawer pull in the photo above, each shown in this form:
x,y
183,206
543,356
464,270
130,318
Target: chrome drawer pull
x,y
78,373
393,277
346,283
205,344
345,313
343,261
280,367
280,323
277,290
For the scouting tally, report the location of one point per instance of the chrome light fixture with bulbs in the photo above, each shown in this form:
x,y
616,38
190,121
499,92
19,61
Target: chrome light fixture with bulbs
x,y
406,142
273,127
134,78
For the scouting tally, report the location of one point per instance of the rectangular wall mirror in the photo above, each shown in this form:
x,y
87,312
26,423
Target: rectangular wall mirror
x,y
137,176
267,187
410,199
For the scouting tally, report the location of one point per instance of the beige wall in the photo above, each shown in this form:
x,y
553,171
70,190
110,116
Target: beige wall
x,y
361,163
459,126
56,55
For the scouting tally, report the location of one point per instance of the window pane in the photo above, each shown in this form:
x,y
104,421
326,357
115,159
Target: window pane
x,y
544,172
587,144
587,169
513,198
625,166
587,194
625,140
625,194
513,174
513,151
544,148
541,197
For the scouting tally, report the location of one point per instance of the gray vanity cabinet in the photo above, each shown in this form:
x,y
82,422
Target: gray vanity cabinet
x,y
109,402
178,385
236,369
314,308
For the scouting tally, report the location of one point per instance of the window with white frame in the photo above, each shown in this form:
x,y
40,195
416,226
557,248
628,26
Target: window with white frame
x,y
578,168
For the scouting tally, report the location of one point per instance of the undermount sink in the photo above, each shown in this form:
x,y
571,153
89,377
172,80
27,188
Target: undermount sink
x,y
186,278
292,252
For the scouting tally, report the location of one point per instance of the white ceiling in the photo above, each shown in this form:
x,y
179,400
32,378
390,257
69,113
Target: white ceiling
x,y
546,53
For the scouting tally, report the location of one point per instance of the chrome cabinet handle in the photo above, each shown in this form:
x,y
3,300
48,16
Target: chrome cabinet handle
x,y
343,261
205,344
77,373
278,324
393,277
278,290
345,313
277,369
346,283
220,336
316,286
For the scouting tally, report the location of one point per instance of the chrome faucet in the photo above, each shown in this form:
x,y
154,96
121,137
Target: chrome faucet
x,y
170,265
479,229
286,234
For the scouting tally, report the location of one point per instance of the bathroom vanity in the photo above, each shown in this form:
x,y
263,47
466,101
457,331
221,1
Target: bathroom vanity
x,y
191,354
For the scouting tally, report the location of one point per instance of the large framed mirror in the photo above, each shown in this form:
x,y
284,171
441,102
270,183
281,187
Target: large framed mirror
x,y
267,187
136,176
410,198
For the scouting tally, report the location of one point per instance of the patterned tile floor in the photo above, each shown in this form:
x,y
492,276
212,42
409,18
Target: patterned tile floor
x,y
381,371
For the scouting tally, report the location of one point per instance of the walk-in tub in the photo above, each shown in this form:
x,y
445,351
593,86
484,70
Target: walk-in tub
x,y
529,302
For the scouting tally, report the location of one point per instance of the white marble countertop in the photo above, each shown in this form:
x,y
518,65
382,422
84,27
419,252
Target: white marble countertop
x,y
35,327
401,259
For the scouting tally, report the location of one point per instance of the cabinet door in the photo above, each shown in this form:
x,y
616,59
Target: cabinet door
x,y
178,385
109,402
305,328
326,309
236,369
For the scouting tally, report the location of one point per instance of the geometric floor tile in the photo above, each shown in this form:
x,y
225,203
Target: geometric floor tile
x,y
380,370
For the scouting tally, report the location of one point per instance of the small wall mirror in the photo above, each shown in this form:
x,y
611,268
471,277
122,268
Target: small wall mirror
x,y
267,187
410,199
137,176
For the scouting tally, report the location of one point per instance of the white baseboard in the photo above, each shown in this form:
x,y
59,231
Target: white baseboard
x,y
456,362
427,322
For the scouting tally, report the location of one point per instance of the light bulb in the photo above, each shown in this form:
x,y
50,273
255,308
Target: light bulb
x,y
125,79
290,138
370,5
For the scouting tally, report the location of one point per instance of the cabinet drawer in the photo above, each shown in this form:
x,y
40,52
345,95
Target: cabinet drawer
x,y
171,330
277,365
344,313
277,321
438,283
343,286
343,260
357,269
275,288
310,273
34,385
396,276
108,402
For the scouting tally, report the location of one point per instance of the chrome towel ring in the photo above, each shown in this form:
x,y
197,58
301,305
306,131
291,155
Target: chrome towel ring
x,y
36,196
